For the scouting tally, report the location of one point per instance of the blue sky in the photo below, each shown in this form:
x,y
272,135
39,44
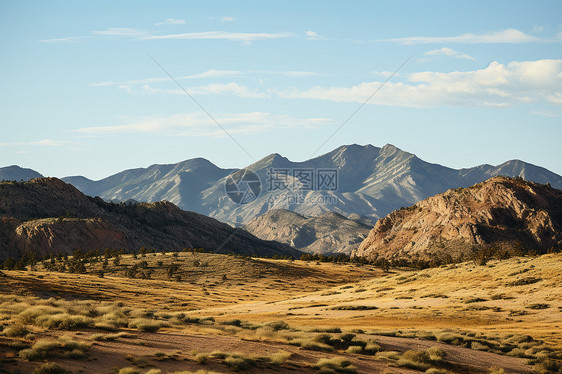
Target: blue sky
x,y
81,94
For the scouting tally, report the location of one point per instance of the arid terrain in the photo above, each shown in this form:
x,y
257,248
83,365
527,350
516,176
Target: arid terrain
x,y
221,313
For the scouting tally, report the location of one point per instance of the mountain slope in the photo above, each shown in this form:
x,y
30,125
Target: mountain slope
x,y
327,233
180,183
15,173
372,182
499,215
47,216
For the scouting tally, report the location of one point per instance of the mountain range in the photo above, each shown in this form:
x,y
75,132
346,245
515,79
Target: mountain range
x,y
372,182
47,216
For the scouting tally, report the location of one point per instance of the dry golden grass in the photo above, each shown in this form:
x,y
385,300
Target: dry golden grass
x,y
333,312
466,296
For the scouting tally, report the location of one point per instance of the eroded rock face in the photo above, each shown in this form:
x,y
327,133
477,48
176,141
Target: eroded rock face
x,y
49,236
511,213
47,216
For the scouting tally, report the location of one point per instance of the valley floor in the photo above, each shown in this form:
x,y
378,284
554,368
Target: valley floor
x,y
223,313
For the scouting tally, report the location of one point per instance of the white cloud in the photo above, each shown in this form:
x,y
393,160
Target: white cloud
x,y
44,142
227,19
199,124
119,32
232,88
206,74
171,21
312,35
225,35
63,40
497,84
212,73
293,73
449,52
384,74
546,113
512,36
226,88
122,32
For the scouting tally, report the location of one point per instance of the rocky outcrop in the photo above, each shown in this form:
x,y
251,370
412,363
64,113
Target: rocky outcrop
x,y
501,213
47,216
328,233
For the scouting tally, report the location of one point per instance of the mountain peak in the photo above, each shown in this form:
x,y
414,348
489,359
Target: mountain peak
x,y
16,173
390,149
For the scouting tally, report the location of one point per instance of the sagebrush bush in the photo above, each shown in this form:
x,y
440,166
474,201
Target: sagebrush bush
x,y
29,315
145,324
49,368
202,358
63,321
63,347
15,331
336,364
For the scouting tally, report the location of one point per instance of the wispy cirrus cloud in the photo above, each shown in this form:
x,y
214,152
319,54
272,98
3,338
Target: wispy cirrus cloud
x,y
64,40
43,142
224,35
198,124
227,19
206,74
511,36
545,113
122,32
212,73
450,53
137,34
313,35
230,88
171,21
290,73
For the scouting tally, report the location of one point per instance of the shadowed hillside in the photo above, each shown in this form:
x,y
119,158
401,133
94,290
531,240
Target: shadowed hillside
x,y
47,216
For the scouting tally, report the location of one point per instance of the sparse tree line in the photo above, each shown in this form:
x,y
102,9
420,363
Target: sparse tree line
x,y
79,260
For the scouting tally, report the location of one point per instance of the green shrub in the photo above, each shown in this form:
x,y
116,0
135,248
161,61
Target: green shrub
x,y
336,364
30,314
15,331
49,368
144,324
202,358
129,370
239,362
63,321
354,349
62,348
